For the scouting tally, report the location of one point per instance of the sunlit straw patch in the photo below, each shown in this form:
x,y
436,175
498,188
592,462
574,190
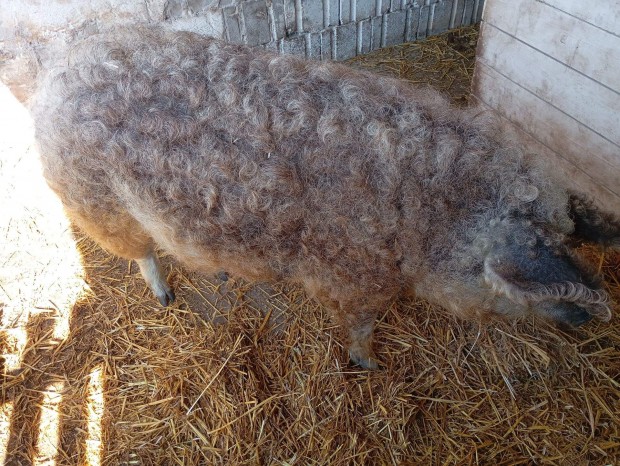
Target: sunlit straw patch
x,y
95,414
15,339
47,442
6,410
40,269
41,276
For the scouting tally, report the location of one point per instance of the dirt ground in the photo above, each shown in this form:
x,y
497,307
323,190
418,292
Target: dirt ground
x,y
95,372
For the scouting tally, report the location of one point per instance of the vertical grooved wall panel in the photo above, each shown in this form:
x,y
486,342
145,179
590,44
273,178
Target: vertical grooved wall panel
x,y
338,29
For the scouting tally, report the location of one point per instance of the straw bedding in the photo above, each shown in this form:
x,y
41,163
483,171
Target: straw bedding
x,y
236,373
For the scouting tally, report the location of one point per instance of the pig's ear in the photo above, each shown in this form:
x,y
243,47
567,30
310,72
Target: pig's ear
x,y
502,278
506,278
592,224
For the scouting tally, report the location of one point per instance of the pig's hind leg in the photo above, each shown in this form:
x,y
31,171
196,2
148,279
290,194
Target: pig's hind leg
x,y
122,235
155,278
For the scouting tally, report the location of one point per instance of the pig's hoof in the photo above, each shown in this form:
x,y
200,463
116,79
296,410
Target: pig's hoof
x,y
366,361
166,297
223,276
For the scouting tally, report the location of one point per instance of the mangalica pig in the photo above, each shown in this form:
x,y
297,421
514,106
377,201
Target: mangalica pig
x,y
361,188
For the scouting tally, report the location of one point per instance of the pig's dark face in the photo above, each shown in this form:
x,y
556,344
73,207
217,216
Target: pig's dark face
x,y
529,268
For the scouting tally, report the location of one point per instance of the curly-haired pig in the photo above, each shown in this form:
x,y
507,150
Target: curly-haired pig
x,y
359,187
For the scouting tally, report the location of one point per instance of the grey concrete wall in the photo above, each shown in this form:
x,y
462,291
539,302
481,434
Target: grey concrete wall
x,y
341,29
34,31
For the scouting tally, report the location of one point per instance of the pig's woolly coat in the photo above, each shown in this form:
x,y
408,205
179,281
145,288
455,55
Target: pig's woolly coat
x,y
358,186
